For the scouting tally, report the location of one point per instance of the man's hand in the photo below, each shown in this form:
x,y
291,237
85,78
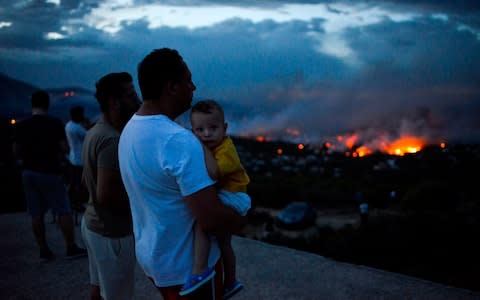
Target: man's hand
x,y
212,216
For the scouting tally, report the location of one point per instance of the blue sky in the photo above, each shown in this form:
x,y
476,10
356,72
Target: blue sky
x,y
305,70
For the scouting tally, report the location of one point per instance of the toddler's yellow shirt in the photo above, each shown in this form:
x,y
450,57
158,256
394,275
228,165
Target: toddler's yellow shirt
x,y
233,176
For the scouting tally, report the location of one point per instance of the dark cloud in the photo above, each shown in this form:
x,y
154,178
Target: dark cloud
x,y
423,52
420,76
457,6
32,20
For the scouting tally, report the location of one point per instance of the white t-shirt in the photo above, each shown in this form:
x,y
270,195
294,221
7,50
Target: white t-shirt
x,y
160,163
75,136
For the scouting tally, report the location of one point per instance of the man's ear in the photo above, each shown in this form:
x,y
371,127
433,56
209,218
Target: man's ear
x,y
225,126
113,102
172,87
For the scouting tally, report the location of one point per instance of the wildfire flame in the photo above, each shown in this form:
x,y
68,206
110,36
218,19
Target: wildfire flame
x,y
362,151
406,144
351,140
356,145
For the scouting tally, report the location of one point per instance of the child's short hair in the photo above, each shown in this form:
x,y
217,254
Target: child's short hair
x,y
207,106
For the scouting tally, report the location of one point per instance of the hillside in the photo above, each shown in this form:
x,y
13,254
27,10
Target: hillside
x,y
14,97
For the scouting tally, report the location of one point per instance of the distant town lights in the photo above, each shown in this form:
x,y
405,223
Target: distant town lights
x,y
13,121
301,146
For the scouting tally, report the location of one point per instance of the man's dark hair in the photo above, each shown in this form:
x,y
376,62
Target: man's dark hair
x,y
40,99
207,106
110,85
157,69
76,114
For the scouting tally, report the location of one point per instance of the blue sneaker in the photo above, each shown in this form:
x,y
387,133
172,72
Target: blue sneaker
x,y
196,281
232,290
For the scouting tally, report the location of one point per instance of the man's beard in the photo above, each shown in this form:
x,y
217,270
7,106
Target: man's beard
x,y
127,113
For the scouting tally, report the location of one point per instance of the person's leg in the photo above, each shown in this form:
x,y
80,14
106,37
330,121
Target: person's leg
x,y
38,228
95,293
60,204
201,273
36,206
209,291
117,268
231,285
66,224
89,241
201,250
229,261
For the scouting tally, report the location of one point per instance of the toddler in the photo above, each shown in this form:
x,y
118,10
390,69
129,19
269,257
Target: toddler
x,y
224,166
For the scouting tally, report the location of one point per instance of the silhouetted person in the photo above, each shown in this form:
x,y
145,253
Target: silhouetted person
x,y
107,222
40,143
76,132
362,207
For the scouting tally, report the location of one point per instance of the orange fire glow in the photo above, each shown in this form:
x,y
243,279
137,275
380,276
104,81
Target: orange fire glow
x,y
260,138
13,121
279,151
362,151
443,145
406,144
351,140
301,146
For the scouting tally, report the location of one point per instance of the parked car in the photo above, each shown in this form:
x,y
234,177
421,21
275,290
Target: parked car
x,y
296,215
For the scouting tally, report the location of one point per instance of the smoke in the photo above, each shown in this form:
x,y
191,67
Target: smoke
x,y
318,112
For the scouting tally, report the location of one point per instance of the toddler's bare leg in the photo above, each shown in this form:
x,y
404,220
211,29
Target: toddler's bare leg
x,y
229,261
201,249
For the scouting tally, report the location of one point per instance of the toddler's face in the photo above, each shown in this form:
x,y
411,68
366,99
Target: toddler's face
x,y
210,128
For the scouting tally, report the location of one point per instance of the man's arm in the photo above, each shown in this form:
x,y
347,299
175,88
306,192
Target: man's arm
x,y
64,148
111,193
212,216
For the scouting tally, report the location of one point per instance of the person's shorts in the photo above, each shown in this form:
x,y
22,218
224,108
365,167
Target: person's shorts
x,y
44,191
111,263
239,201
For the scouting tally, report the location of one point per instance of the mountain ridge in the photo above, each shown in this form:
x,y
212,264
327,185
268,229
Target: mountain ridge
x,y
15,99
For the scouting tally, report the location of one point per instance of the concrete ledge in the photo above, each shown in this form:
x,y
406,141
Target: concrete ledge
x,y
268,272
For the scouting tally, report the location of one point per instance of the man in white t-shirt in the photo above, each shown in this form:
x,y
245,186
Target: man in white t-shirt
x,y
163,169
75,131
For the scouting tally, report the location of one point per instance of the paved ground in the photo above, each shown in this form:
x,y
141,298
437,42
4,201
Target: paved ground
x,y
268,272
